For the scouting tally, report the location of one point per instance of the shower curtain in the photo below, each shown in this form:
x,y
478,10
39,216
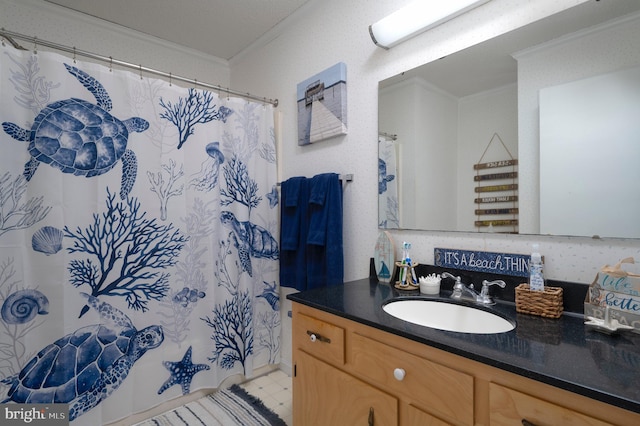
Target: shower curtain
x,y
388,205
138,226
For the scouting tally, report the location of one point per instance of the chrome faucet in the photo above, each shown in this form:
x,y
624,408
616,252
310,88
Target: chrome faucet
x,y
460,291
463,292
484,297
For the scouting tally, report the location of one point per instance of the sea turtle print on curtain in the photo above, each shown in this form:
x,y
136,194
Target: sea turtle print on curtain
x,y
101,356
80,137
149,288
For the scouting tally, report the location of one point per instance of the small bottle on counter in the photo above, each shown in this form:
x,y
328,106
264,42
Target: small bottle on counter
x,y
536,276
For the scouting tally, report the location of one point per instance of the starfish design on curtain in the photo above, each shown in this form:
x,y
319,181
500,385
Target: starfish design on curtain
x,y
273,197
182,372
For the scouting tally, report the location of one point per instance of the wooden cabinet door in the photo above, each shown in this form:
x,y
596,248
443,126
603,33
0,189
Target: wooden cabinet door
x,y
324,395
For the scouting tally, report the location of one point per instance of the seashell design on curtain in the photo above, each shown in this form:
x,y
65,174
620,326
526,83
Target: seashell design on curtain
x,y
138,226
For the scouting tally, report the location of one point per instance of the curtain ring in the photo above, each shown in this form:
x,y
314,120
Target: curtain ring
x,y
74,55
228,93
170,79
35,45
195,84
140,71
110,64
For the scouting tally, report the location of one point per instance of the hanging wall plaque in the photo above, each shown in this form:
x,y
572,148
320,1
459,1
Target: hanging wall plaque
x,y
503,214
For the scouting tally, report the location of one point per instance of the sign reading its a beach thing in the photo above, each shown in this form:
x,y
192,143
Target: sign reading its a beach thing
x,y
482,261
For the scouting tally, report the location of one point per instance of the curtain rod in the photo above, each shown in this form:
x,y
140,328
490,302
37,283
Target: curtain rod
x,y
9,35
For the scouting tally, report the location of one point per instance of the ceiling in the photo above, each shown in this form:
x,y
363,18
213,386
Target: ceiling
x,y
222,28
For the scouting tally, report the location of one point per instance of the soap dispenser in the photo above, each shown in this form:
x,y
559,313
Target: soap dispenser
x,y
536,276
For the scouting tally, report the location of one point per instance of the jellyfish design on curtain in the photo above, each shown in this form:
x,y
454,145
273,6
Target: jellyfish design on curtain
x,y
138,259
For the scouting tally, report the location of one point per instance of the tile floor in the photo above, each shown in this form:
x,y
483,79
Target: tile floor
x,y
274,389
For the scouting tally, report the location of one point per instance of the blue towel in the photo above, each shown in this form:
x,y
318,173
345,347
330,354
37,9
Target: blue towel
x,y
325,262
294,225
293,207
311,232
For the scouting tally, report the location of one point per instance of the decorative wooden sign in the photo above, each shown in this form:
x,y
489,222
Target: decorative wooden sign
x,y
509,212
481,261
497,188
496,176
502,199
496,211
494,164
501,222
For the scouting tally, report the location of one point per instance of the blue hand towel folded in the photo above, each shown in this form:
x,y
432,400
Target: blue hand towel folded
x,y
325,263
293,211
294,225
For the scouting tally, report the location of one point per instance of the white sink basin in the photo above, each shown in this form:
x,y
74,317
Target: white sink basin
x,y
448,316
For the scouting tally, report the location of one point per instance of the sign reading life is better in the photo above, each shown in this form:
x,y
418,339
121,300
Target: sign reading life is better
x,y
482,261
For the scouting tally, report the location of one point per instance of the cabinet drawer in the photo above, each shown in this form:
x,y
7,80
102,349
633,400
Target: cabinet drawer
x,y
509,407
319,338
448,393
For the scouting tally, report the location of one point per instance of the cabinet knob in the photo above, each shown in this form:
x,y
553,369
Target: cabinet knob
x,y
399,374
316,337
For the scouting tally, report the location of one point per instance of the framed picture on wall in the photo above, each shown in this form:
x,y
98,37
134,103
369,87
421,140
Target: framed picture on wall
x,y
322,105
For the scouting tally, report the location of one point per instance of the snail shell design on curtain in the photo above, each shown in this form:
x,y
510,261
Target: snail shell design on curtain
x,y
87,366
81,138
24,305
47,240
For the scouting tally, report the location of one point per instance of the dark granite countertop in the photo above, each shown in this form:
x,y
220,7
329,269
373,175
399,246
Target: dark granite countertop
x,y
560,352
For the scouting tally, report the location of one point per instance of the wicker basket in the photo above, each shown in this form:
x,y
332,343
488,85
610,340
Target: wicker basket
x,y
547,303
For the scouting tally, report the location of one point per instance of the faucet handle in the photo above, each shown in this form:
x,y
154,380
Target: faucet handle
x,y
453,277
487,283
484,293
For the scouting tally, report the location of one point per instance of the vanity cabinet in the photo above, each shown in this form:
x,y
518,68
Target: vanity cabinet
x,y
348,373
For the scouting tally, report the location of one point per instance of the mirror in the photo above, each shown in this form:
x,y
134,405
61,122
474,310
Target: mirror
x,y
518,134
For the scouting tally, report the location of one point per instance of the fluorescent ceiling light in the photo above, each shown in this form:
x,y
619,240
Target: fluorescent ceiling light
x,y
417,17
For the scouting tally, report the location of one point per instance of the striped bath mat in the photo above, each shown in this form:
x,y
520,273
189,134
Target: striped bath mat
x,y
232,406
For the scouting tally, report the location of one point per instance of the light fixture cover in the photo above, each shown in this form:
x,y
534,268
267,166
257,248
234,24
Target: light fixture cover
x,y
417,17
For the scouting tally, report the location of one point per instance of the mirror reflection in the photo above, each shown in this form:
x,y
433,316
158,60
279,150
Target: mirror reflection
x,y
532,132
